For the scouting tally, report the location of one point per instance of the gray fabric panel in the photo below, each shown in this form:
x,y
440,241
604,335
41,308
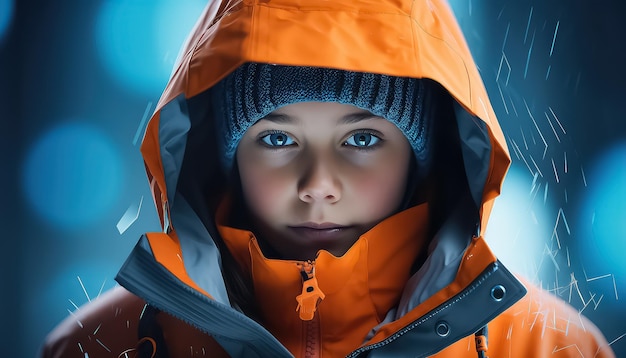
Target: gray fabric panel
x,y
174,125
476,149
439,270
239,335
201,256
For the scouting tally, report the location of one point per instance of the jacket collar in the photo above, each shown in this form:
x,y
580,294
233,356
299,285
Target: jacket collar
x,y
359,287
481,289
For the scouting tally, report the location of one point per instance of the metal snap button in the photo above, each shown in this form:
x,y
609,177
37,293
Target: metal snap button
x,y
442,329
498,292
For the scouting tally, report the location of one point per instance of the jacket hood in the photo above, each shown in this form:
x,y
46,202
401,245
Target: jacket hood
x,y
422,40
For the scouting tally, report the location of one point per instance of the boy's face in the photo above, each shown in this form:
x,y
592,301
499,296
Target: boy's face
x,y
318,175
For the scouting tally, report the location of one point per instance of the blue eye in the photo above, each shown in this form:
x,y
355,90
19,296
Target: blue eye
x,y
362,140
278,139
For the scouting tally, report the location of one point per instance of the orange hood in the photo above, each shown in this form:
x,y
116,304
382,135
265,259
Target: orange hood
x,y
422,40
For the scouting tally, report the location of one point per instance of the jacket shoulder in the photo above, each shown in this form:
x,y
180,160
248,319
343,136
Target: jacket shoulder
x,y
541,324
105,327
538,325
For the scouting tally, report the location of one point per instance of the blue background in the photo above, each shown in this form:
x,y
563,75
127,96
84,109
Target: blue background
x,y
79,78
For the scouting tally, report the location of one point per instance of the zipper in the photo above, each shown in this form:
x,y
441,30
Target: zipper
x,y
311,294
312,346
308,301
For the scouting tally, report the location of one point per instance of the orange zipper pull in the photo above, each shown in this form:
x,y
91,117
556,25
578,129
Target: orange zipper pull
x,y
311,294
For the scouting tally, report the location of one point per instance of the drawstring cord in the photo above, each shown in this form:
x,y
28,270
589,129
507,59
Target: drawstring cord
x,y
151,343
481,342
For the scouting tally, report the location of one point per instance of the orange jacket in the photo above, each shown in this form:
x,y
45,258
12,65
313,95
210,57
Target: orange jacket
x,y
371,306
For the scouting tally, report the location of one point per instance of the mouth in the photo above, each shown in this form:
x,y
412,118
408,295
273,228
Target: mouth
x,y
323,231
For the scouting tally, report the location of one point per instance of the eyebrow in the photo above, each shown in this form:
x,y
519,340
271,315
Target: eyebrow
x,y
347,119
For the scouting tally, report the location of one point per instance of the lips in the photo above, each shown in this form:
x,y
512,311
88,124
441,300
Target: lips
x,y
322,226
323,231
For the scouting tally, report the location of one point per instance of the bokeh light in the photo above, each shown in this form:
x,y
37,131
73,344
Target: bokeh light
x,y
72,175
603,218
138,41
518,226
6,15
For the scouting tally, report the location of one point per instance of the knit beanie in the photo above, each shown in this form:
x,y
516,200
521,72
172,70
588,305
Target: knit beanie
x,y
254,90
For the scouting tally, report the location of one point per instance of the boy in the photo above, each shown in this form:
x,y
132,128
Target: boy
x,y
324,172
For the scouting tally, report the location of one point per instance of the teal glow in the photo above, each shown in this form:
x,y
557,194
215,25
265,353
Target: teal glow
x,y
520,224
138,41
6,15
71,282
604,209
72,175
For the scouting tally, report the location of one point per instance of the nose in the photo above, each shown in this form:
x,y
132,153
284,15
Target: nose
x,y
320,183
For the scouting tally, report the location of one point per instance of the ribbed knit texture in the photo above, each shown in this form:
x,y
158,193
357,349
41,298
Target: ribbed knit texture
x,y
254,90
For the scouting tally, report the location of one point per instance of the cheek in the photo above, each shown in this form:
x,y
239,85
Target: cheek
x,y
384,188
264,191
380,192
